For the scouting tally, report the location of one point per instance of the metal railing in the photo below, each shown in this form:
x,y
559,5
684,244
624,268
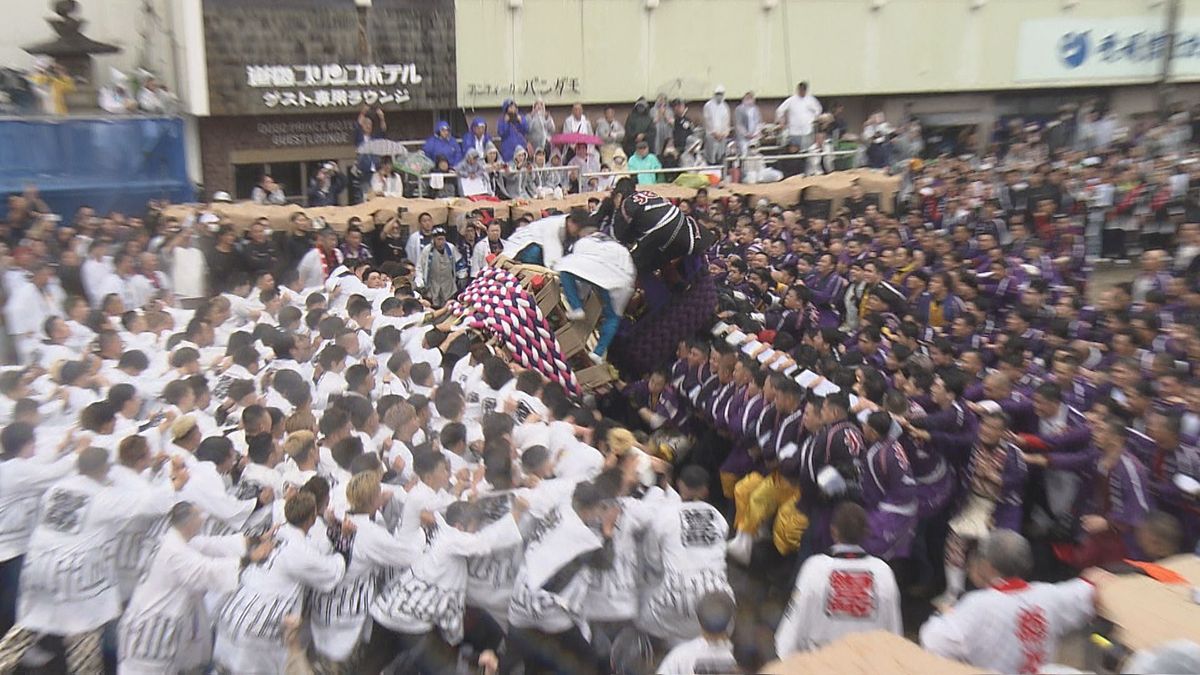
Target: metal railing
x,y
724,168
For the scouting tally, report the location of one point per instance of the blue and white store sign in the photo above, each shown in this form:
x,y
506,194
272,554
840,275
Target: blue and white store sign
x,y
1118,49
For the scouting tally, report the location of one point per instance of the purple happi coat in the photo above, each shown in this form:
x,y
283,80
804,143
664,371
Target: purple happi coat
x,y
889,495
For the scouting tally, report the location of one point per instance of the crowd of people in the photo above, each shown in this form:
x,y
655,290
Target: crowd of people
x,y
529,155
46,87
285,451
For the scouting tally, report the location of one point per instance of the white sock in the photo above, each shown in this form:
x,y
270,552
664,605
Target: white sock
x,y
956,580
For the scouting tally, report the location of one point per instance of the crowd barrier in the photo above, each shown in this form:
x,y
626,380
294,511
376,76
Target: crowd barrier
x,y
824,193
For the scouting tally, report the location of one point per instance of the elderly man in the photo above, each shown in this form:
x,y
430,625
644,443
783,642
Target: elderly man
x,y
1022,622
717,126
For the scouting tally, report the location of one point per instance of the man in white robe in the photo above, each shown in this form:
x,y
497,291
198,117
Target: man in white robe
x,y
69,581
250,623
691,534
840,592
606,266
165,628
1009,625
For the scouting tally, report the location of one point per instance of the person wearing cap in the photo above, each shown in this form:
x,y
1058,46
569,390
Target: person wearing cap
x,y
717,126
682,127
435,269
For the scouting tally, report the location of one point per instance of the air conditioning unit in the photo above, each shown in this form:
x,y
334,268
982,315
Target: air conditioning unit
x,y
769,5
364,4
652,4
516,4
877,5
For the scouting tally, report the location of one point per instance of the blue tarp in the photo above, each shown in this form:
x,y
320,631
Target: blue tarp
x,y
108,163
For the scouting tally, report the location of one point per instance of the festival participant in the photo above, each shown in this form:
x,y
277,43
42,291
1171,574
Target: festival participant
x,y
421,611
692,537
250,622
606,268
712,652
560,558
889,491
652,227
165,626
1023,622
995,479
69,589
841,592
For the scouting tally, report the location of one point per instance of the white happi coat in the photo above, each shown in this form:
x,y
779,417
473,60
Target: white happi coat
x,y
601,260
432,593
845,591
69,580
250,623
691,537
140,536
166,629
340,618
22,482
614,592
547,233
556,541
206,489
490,576
1012,627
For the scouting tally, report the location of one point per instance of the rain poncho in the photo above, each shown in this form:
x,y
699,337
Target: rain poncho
x,y
436,146
512,134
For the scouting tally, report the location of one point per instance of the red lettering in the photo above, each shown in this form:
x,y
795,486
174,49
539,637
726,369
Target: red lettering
x,y
1032,632
851,595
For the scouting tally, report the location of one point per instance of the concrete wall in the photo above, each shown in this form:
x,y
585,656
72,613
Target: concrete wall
x,y
616,50
143,40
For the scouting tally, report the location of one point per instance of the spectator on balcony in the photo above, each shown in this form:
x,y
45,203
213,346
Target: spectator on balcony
x,y
798,115
52,83
443,144
386,182
612,132
683,127
327,185
541,127
512,130
639,126
544,182
516,182
664,125
747,123
155,98
116,97
577,122
442,186
584,160
473,174
268,192
717,126
494,165
643,159
477,138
